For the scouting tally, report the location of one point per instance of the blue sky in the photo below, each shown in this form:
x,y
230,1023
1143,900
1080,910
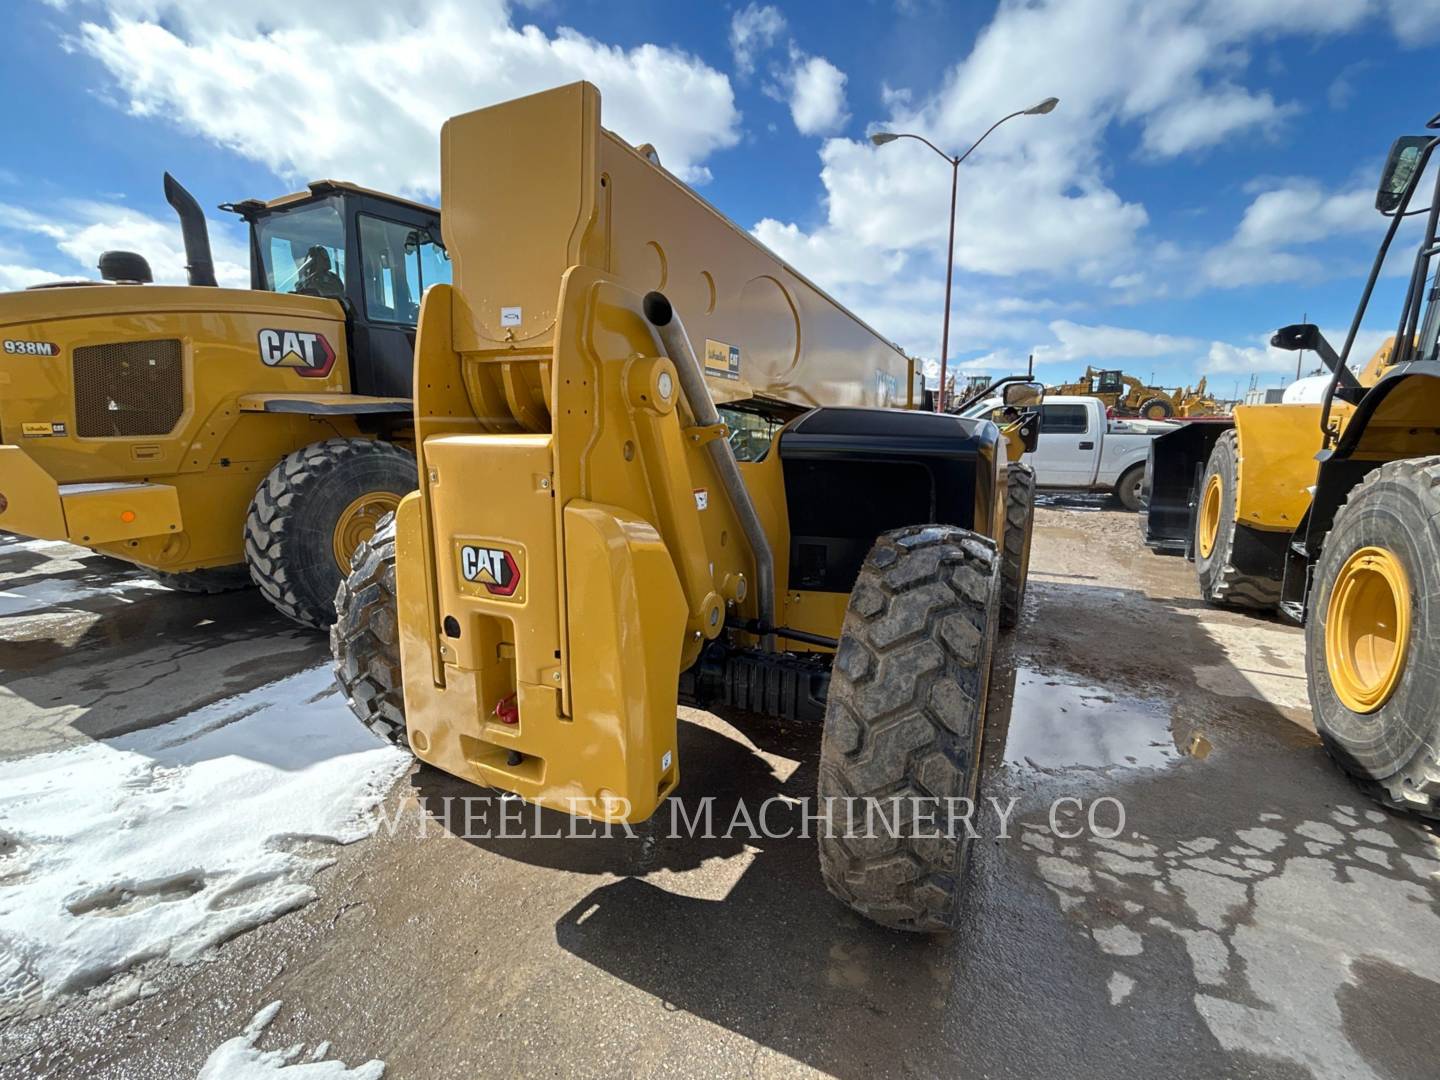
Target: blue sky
x,y
1208,174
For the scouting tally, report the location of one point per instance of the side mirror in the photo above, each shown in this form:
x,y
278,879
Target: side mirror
x,y
1023,394
1405,153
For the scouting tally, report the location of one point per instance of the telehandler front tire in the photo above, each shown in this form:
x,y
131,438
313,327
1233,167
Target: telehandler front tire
x,y
312,511
1214,537
365,638
904,722
1019,528
1372,637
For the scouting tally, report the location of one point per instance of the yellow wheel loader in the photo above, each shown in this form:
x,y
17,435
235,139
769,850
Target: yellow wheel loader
x,y
214,436
590,546
1349,547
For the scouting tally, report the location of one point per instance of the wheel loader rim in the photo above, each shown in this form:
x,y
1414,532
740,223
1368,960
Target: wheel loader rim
x,y
1211,505
1367,629
357,522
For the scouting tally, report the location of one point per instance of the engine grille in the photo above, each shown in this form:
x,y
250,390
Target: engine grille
x,y
130,388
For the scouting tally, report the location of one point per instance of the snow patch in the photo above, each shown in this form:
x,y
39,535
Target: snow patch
x,y
240,1059
165,842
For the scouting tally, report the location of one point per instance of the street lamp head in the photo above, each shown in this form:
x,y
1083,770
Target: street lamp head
x,y
880,138
1048,105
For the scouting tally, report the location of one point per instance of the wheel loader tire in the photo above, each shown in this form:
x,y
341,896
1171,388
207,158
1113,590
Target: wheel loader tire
x,y
1019,528
208,581
904,723
1214,536
1127,488
365,639
302,514
1372,641
1157,408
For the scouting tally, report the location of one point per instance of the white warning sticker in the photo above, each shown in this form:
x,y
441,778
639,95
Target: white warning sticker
x,y
702,499
510,316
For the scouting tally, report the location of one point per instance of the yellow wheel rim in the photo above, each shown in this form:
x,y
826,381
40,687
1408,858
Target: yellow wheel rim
x,y
1367,629
357,522
1210,506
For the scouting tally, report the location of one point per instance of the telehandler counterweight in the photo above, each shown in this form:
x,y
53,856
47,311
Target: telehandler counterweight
x,y
1350,548
214,436
658,465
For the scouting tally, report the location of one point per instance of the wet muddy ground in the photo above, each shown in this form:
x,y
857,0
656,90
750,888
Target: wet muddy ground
x,y
1254,917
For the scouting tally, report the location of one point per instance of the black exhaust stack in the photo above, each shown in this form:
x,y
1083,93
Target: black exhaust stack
x,y
198,263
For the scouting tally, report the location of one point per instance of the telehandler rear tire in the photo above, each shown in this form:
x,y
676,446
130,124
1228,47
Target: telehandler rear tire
x,y
904,722
207,581
365,638
1214,538
307,507
1019,528
1372,637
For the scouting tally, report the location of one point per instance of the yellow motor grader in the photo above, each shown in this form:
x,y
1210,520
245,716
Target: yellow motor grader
x,y
1330,512
214,436
591,544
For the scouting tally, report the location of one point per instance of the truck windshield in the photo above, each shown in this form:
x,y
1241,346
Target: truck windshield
x,y
303,250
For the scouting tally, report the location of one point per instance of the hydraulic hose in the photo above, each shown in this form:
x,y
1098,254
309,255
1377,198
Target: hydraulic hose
x,y
676,343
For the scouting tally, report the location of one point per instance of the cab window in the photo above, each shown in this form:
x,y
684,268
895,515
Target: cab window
x,y
750,432
1064,419
303,250
399,262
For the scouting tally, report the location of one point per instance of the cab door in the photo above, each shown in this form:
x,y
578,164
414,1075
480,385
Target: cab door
x,y
396,255
1067,450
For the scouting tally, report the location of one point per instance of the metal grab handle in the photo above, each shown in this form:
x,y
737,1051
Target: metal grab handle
x,y
676,343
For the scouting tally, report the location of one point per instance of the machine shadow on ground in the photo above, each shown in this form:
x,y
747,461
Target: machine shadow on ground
x,y
773,957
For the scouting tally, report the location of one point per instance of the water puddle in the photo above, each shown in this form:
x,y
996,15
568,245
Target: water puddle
x,y
1058,722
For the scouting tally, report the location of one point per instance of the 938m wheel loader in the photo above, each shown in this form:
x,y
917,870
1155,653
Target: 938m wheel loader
x,y
587,549
214,436
1349,548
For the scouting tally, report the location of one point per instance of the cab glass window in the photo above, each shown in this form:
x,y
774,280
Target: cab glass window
x,y
399,263
303,250
750,432
1064,419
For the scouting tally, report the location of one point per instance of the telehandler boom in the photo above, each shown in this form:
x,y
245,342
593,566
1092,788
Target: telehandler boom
x,y
592,544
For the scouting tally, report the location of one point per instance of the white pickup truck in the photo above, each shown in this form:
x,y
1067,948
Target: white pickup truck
x,y
1080,449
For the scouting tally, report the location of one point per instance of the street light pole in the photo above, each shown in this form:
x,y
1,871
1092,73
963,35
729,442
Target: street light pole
x,y
880,138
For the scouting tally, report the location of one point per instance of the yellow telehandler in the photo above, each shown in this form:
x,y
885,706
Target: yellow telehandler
x,y
1350,548
214,436
591,544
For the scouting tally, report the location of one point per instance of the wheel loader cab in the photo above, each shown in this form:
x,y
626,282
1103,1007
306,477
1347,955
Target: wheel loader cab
x,y
222,436
374,253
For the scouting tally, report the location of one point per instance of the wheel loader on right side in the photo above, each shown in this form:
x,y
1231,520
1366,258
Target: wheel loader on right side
x,y
1330,513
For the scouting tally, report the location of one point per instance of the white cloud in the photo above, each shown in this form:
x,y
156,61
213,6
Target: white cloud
x,y
1080,342
1207,119
1293,214
753,29
14,278
358,91
817,96
78,231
